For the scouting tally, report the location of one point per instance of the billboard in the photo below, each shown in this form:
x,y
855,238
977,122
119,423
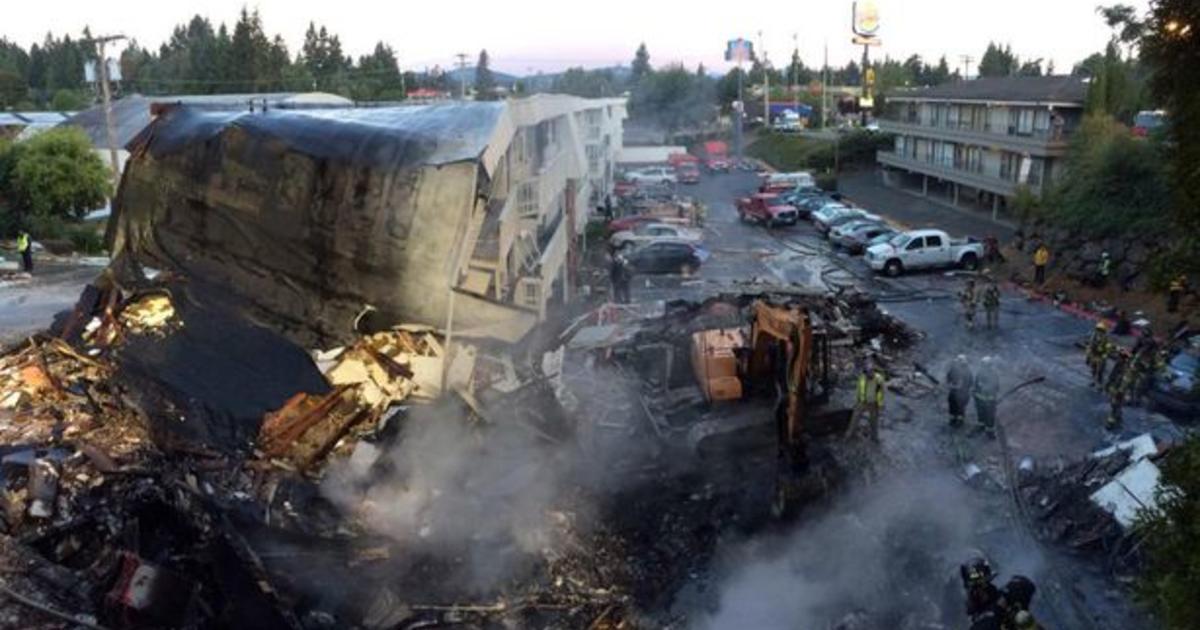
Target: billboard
x,y
739,51
866,18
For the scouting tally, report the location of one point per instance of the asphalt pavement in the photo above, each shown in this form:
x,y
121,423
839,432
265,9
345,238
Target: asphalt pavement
x,y
28,305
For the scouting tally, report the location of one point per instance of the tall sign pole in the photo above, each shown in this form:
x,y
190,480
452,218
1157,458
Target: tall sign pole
x,y
110,126
865,24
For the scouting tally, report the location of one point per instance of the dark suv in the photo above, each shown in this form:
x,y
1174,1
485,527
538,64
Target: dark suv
x,y
1176,392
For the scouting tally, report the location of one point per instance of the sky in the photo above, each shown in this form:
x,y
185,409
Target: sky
x,y
528,36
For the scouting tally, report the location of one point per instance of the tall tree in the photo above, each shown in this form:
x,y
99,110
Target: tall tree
x,y
586,83
1171,47
641,64
379,77
1031,68
485,82
998,61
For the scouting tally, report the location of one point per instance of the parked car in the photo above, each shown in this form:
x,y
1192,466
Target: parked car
x,y
648,232
688,173
667,256
1177,392
811,205
826,220
855,214
652,175
857,241
625,224
767,209
924,249
838,231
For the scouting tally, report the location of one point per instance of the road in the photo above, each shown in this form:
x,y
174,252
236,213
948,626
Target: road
x,y
1061,418
29,305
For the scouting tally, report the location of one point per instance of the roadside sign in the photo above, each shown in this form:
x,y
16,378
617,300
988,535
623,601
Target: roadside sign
x,y
867,41
870,76
866,18
739,51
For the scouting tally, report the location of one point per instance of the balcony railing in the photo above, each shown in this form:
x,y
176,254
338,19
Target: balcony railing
x,y
970,177
1042,141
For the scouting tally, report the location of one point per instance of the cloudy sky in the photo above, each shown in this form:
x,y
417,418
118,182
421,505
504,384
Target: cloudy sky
x,y
547,35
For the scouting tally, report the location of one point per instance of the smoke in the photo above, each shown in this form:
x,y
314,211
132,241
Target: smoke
x,y
458,492
889,552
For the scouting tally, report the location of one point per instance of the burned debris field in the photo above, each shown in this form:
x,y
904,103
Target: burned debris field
x,y
159,472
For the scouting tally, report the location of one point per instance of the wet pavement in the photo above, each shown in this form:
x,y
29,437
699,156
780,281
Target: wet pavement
x,y
28,305
1057,419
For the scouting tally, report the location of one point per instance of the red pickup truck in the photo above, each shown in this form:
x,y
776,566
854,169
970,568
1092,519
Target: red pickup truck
x,y
766,208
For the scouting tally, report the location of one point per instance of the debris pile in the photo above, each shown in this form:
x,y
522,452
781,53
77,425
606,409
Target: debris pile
x,y
369,378
1091,505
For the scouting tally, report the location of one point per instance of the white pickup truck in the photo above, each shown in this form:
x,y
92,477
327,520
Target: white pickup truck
x,y
924,249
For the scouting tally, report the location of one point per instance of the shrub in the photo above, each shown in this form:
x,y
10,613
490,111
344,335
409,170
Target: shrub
x,y
1114,184
1171,539
56,173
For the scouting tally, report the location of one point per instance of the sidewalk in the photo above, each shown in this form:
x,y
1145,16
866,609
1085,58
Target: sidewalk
x,y
867,189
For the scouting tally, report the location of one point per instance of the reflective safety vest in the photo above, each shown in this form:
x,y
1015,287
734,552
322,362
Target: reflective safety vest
x,y
862,389
22,242
880,383
1041,256
1177,284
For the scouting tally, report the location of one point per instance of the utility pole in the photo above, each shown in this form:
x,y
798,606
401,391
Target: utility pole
x,y
766,84
795,73
825,89
462,74
967,59
867,75
110,126
741,114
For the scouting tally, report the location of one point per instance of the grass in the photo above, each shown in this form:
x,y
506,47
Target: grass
x,y
792,152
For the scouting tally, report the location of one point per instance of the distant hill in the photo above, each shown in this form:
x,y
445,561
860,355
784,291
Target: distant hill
x,y
545,81
502,78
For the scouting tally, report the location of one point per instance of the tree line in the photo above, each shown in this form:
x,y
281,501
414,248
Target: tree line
x,y
202,58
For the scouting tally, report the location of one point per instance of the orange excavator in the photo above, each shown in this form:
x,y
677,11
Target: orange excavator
x,y
786,352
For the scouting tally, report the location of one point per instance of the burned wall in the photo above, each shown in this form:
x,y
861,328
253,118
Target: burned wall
x,y
308,218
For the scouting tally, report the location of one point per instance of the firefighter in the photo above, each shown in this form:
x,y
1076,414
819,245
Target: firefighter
x,y
967,298
1097,353
1145,366
1103,270
880,382
861,400
1120,369
991,304
1175,292
983,598
619,276
1041,258
25,249
1116,402
986,390
959,380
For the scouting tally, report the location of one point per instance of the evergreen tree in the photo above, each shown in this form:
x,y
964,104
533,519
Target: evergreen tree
x,y
998,61
485,83
378,77
641,64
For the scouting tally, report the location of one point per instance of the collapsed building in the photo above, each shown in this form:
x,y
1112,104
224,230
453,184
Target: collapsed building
x,y
462,216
